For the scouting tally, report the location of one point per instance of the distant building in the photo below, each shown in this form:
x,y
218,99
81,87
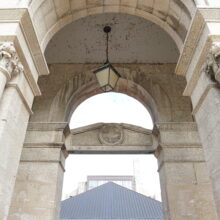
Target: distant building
x,y
126,181
111,201
94,181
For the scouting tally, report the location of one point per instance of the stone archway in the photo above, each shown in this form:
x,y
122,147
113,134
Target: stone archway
x,y
45,140
62,13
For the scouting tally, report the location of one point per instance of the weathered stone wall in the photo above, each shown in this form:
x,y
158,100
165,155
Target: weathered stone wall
x,y
38,188
185,185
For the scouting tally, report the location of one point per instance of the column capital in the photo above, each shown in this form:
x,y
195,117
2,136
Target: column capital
x,y
211,65
10,64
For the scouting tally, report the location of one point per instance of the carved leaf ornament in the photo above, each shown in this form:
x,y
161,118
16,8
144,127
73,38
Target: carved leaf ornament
x,y
212,64
9,60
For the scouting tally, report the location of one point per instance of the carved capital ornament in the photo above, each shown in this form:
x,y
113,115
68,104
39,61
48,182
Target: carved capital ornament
x,y
10,64
212,63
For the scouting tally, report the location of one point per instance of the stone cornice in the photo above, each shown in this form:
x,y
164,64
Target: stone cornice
x,y
197,47
99,125
17,27
22,16
201,17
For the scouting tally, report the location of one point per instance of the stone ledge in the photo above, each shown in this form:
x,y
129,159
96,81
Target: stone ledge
x,y
48,126
176,126
180,145
44,145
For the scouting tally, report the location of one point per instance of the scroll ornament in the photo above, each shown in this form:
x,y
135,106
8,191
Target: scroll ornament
x,y
9,60
212,64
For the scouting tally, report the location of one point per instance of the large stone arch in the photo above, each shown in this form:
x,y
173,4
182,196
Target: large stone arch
x,y
172,16
147,83
153,85
75,98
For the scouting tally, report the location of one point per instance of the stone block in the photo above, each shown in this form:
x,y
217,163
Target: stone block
x,y
145,5
77,5
62,9
129,3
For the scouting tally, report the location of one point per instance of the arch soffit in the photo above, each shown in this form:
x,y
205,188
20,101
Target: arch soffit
x,y
61,14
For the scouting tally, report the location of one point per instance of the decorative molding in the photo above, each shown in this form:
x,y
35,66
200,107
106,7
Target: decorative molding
x,y
99,125
212,63
9,61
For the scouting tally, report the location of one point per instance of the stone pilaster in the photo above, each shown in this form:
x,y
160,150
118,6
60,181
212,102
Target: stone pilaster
x,y
38,187
185,185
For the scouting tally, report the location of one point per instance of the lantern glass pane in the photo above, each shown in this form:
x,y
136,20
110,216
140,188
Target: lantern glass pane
x,y
102,77
113,78
107,88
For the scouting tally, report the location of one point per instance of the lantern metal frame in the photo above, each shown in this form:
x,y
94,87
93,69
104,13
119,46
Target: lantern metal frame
x,y
107,69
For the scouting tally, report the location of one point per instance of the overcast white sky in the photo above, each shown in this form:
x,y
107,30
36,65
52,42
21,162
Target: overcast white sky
x,y
118,108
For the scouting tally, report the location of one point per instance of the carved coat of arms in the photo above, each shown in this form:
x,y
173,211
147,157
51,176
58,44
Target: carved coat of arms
x,y
111,134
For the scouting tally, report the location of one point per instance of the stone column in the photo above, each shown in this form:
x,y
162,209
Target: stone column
x,y
185,184
15,109
206,104
38,187
9,64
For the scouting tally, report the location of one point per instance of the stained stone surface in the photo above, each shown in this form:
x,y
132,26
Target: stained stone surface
x,y
132,40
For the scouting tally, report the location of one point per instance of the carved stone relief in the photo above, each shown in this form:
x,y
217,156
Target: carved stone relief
x,y
111,134
9,60
212,64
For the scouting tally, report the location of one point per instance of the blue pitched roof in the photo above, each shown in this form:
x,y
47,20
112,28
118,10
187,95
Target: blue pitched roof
x,y
111,201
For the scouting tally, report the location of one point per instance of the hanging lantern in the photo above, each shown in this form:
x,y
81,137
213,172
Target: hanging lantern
x,y
107,76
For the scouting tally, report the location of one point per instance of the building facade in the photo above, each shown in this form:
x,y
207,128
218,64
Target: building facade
x,y
168,54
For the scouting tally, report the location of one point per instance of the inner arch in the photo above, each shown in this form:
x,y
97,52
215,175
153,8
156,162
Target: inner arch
x,y
111,108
